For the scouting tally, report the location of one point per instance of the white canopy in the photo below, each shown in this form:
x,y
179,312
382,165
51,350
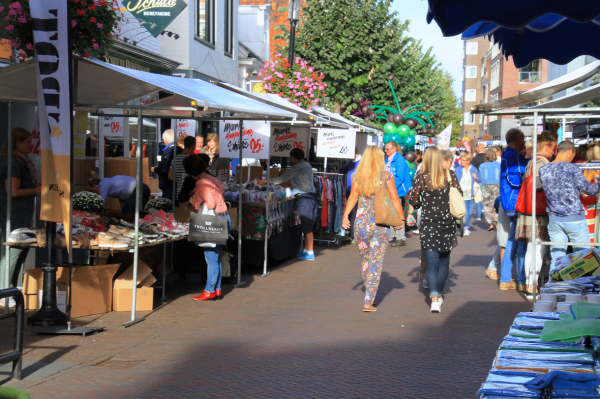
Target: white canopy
x,y
547,89
101,84
334,117
579,97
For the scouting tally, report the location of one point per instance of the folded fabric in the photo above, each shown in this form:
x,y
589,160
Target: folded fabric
x,y
574,393
542,346
519,373
515,332
528,323
555,357
580,310
541,315
510,390
508,379
566,380
575,329
542,366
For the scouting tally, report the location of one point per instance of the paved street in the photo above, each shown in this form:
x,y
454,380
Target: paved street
x,y
298,333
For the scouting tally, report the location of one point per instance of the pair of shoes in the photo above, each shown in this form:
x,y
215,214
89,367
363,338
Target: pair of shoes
x,y
436,307
508,286
306,256
218,294
523,288
466,233
205,296
371,309
416,231
492,274
425,284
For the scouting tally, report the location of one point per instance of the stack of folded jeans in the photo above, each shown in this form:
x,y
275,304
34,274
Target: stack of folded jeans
x,y
564,384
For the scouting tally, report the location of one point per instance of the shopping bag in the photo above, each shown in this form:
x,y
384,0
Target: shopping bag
x,y
457,204
385,213
207,229
524,204
477,196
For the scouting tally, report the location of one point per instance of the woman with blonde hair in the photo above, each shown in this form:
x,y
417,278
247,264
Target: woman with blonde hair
x,y
438,227
212,150
545,149
372,239
467,175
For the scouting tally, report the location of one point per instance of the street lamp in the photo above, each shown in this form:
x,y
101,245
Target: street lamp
x,y
294,17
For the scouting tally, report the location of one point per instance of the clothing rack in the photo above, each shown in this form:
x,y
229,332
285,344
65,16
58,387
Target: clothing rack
x,y
331,176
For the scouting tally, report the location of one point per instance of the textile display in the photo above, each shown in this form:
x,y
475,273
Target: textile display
x,y
282,215
332,199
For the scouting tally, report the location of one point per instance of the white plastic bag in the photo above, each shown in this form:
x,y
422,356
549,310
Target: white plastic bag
x,y
206,211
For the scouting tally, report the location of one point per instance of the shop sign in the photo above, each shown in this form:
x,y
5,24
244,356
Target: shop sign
x,y
185,127
285,138
124,63
157,14
336,143
255,140
112,126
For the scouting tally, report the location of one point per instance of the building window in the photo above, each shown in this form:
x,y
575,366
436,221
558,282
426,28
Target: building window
x,y
470,72
483,67
228,27
470,95
205,29
495,78
469,118
472,48
530,74
495,50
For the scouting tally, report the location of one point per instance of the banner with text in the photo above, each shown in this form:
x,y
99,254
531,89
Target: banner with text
x,y
286,138
185,127
255,141
51,21
112,126
336,143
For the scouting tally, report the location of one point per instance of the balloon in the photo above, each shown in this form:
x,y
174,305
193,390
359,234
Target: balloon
x,y
437,114
427,105
412,174
390,128
432,132
403,148
428,126
365,109
398,119
411,123
386,138
395,138
389,117
411,165
403,130
410,156
413,132
409,141
391,77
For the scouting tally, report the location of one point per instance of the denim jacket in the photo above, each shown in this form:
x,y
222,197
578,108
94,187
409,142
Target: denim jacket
x,y
472,169
302,178
490,173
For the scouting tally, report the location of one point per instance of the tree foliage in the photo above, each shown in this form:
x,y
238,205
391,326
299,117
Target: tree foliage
x,y
358,44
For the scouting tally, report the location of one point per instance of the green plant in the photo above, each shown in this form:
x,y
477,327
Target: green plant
x,y
86,201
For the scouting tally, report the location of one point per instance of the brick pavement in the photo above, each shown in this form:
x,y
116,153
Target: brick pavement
x,y
300,332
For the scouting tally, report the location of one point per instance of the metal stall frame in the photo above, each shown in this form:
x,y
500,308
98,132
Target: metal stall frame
x,y
536,113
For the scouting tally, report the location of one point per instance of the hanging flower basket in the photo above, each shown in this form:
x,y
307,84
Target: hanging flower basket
x,y
92,24
298,83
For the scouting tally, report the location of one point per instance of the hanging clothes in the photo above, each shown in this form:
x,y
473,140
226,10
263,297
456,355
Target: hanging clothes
x,y
333,202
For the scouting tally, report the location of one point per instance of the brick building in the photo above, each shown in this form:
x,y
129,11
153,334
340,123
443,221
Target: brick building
x,y
473,52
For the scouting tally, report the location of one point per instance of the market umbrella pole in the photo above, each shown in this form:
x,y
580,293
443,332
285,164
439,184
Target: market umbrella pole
x,y
8,207
138,201
239,271
267,217
533,196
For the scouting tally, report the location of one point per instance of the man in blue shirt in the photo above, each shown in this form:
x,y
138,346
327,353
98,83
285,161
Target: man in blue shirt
x,y
349,169
120,187
512,169
397,166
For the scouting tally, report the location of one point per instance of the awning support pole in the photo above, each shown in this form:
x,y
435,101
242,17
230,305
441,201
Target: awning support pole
x,y
533,210
267,217
138,207
6,252
240,201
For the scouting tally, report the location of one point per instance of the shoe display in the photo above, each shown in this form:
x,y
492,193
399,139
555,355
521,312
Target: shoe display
x,y
23,236
306,256
435,307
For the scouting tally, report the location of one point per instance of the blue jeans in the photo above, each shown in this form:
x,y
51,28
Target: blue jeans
x,y
437,272
213,262
495,263
575,231
478,209
469,205
513,248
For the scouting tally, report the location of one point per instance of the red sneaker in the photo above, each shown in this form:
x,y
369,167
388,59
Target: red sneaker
x,y
205,296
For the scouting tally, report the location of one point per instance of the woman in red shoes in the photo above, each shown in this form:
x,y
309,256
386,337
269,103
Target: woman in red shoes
x,y
209,193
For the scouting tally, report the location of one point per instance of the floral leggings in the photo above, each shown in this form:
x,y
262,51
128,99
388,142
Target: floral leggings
x,y
372,241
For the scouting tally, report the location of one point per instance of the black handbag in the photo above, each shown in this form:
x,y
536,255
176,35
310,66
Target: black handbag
x,y
208,228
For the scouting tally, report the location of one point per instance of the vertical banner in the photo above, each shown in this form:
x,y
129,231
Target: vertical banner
x,y
79,134
443,139
255,141
185,127
285,138
336,143
51,21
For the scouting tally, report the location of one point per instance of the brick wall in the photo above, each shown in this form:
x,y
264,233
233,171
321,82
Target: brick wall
x,y
475,83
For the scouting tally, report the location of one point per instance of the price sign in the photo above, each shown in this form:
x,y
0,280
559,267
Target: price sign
x,y
185,127
285,138
336,143
255,140
112,126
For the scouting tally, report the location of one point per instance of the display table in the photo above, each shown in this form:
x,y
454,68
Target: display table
x,y
95,247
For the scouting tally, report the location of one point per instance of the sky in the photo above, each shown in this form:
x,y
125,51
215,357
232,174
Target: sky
x,y
448,50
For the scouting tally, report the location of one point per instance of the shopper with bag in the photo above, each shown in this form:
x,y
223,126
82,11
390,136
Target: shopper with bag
x,y
545,149
208,199
438,226
490,181
379,207
468,175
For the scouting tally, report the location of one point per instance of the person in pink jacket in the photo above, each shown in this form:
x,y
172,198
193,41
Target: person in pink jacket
x,y
209,193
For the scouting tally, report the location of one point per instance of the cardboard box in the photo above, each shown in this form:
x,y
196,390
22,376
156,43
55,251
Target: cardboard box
x,y
255,172
286,184
153,184
82,171
123,289
112,204
31,302
585,263
125,167
30,284
233,215
91,288
273,172
183,212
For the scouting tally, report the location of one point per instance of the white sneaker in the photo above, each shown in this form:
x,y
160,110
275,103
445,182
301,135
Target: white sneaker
x,y
466,233
435,307
416,231
440,301
11,303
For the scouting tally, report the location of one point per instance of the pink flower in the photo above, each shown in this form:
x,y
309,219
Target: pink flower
x,y
100,26
1,8
10,27
29,46
73,23
22,20
22,53
95,46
